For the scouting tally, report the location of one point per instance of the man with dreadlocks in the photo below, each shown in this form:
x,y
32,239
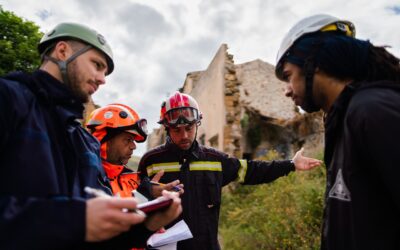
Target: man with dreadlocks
x,y
357,85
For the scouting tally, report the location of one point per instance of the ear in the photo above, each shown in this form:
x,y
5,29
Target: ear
x,y
62,51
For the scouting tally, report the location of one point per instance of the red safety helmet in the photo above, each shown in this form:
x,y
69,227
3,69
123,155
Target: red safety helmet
x,y
179,109
106,121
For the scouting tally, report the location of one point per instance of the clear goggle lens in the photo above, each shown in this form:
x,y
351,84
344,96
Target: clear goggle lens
x,y
140,130
181,116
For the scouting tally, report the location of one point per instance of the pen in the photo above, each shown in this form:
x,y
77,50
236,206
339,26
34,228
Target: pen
x,y
174,188
100,193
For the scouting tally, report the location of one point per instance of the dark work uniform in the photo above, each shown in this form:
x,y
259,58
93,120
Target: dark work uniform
x,y
204,171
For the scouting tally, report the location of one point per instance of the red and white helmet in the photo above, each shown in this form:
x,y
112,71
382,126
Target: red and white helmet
x,y
179,109
105,121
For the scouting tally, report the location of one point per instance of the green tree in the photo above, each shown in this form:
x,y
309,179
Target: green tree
x,y
18,43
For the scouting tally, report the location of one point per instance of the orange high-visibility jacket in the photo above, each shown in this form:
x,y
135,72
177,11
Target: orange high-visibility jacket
x,y
122,180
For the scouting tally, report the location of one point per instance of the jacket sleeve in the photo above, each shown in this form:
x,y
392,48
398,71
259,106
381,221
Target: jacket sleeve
x,y
145,185
8,112
266,171
31,223
250,172
142,166
136,237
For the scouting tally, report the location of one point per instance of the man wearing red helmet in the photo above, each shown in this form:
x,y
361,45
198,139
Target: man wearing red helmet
x,y
204,171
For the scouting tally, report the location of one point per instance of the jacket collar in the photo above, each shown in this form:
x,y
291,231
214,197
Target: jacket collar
x,y
112,170
49,90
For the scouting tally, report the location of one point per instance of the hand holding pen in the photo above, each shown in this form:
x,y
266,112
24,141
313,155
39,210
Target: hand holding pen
x,y
101,193
107,217
176,188
158,187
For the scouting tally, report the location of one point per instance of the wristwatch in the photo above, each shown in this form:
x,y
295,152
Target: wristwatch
x,y
292,162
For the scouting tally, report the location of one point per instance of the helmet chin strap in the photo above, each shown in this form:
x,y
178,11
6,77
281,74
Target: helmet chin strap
x,y
62,65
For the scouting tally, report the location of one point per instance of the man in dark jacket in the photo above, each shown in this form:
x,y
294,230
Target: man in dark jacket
x,y
47,158
357,85
204,171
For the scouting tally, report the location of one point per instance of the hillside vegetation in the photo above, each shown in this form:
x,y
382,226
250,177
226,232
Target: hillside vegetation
x,y
285,214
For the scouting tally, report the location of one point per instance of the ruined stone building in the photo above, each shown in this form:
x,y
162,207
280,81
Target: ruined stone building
x,y
90,106
245,112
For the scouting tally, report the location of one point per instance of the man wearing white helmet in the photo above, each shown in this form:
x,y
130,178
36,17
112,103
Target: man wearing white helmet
x,y
48,158
357,85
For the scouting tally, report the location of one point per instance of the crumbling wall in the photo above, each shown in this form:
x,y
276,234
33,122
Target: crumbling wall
x,y
270,120
208,89
232,128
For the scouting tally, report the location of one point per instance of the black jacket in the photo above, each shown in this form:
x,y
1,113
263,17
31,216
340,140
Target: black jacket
x,y
46,159
204,171
362,205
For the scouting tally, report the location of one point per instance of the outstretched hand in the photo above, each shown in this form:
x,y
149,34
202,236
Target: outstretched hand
x,y
304,163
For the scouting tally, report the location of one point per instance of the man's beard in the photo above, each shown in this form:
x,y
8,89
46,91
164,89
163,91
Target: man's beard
x,y
75,82
309,104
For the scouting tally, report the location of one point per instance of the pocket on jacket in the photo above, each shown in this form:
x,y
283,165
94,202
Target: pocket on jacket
x,y
210,190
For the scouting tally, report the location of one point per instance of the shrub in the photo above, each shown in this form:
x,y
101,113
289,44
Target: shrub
x,y
285,214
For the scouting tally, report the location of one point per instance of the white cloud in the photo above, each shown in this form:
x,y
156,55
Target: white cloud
x,y
156,43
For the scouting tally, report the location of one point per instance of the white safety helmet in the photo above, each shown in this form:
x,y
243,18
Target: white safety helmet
x,y
321,22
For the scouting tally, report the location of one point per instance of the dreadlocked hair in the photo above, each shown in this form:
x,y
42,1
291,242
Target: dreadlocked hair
x,y
382,65
346,57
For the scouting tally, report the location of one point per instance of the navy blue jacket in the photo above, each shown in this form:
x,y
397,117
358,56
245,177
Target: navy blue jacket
x,y
362,135
46,159
204,171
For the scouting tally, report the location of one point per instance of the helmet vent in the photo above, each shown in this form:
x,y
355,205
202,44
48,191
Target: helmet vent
x,y
123,114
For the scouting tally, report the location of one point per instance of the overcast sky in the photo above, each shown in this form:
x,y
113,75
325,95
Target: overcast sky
x,y
157,42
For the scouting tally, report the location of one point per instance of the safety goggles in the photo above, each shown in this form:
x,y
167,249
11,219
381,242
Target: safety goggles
x,y
178,116
139,129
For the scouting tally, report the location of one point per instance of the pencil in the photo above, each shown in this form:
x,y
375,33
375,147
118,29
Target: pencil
x,y
175,188
100,193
